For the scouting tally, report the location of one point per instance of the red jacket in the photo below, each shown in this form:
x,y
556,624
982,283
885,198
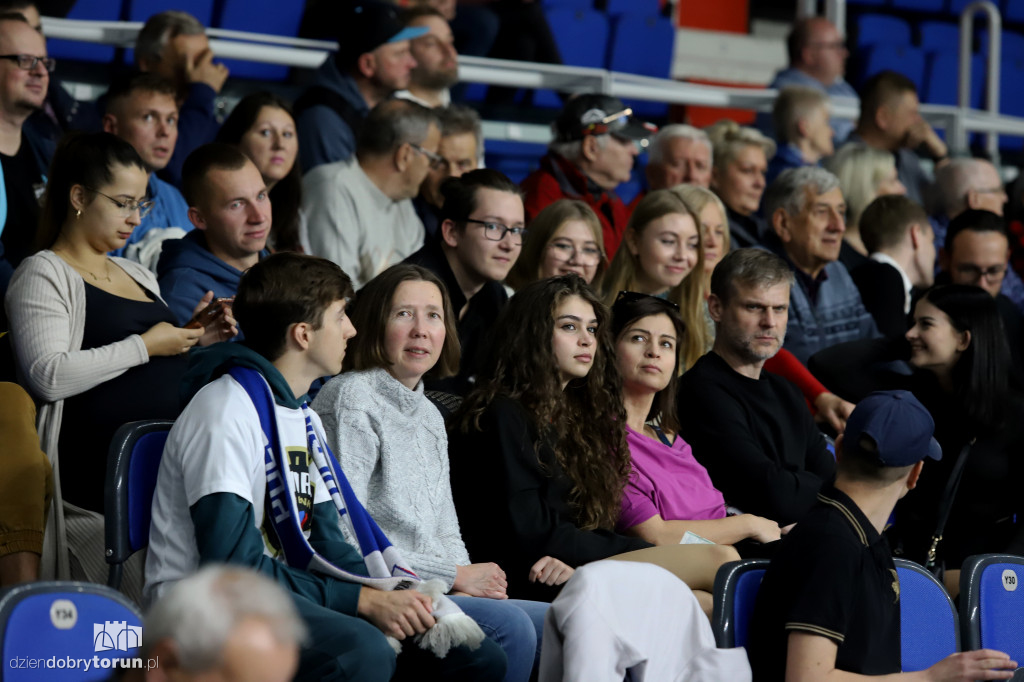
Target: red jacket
x,y
557,178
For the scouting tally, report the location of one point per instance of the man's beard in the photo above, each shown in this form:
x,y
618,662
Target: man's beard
x,y
436,80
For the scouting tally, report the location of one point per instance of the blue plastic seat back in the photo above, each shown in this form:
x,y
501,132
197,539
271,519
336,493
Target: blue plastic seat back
x,y
1012,44
569,4
1013,10
92,10
582,37
60,627
939,36
994,618
919,5
882,29
260,16
906,60
736,587
142,485
641,7
941,84
514,159
657,35
928,620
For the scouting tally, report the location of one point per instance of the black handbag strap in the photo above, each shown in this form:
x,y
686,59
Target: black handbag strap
x,y
948,495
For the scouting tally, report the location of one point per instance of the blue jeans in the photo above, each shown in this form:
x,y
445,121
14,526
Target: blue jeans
x,y
515,625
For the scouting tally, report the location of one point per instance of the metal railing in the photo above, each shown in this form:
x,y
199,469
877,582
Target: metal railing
x,y
992,75
297,52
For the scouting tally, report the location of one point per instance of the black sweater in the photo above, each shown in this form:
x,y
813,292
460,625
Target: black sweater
x,y
756,438
512,500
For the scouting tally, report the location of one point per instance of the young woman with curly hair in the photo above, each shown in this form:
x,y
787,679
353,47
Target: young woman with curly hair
x,y
538,451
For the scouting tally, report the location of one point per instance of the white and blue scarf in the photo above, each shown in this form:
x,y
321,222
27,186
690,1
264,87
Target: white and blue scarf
x,y
384,564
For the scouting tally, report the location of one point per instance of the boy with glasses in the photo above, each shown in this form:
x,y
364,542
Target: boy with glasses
x,y
481,235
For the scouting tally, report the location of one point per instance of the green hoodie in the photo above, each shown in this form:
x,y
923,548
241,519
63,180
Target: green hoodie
x,y
225,524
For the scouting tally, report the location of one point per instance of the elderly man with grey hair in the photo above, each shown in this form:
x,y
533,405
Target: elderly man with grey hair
x,y
174,45
221,623
805,209
801,129
360,211
679,154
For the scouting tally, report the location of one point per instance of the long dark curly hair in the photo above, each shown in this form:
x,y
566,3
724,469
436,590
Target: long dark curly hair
x,y
585,422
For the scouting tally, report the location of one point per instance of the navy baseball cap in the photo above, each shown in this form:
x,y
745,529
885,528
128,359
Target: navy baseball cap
x,y
898,423
366,25
599,115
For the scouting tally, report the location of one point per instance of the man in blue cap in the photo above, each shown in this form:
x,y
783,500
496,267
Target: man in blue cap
x,y
373,61
829,604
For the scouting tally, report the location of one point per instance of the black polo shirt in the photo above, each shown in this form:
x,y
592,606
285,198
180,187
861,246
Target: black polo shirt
x,y
834,577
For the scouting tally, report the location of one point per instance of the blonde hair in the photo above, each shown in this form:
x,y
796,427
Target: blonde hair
x,y
688,294
860,169
542,230
729,137
698,198
793,105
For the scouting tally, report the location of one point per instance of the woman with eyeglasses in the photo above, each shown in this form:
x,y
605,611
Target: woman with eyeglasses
x,y
564,237
961,372
538,450
262,127
94,342
668,493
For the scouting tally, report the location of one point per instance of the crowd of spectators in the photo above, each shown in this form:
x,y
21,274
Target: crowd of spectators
x,y
419,396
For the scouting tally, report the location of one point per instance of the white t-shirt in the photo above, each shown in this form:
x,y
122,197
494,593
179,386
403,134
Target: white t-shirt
x,y
216,446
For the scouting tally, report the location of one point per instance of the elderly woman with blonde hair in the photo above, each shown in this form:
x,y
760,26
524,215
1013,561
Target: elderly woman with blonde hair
x,y
738,177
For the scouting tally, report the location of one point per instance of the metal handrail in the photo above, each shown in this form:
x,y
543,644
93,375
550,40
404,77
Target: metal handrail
x,y
995,49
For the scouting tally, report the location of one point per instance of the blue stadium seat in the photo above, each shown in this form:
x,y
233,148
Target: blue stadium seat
x,y
1013,10
144,9
260,16
657,35
941,82
132,465
94,10
919,5
928,620
569,4
514,159
1011,95
939,36
882,29
994,615
957,6
736,586
62,622
906,60
582,37
627,191
1012,44
641,7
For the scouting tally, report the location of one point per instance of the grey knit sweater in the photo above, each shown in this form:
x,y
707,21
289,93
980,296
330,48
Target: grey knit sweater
x,y
392,446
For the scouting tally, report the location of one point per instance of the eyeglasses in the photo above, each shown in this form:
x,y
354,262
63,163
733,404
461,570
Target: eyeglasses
x,y
128,207
28,62
567,251
496,231
627,297
975,273
437,162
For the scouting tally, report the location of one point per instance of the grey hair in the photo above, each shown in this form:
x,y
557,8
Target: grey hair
x,y
458,119
793,105
789,191
159,29
953,181
573,151
751,267
200,612
672,132
391,124
860,169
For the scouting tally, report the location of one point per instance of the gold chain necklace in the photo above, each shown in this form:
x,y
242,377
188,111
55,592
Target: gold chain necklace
x,y
76,266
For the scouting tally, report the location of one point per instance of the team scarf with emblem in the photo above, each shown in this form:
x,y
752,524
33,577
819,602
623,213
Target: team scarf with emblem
x,y
384,564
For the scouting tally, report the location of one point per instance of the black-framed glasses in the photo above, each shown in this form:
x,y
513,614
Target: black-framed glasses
x,y
975,273
437,162
28,62
627,297
586,255
128,207
496,231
